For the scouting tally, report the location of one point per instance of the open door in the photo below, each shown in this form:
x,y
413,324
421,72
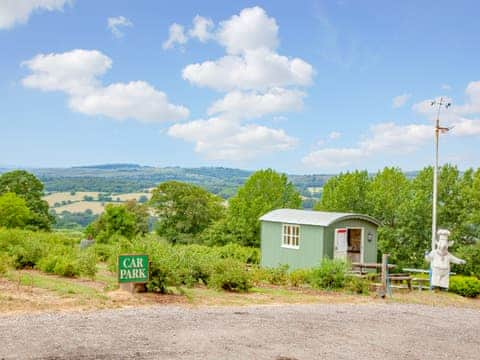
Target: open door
x,y
340,244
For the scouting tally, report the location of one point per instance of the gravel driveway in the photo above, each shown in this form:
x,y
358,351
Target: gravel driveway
x,y
337,331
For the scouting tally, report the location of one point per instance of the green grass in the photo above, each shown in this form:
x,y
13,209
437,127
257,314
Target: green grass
x,y
63,287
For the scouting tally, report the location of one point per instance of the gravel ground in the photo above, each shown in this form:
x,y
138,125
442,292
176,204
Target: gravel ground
x,y
336,331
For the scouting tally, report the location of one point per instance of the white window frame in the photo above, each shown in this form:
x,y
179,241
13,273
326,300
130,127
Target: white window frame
x,y
290,236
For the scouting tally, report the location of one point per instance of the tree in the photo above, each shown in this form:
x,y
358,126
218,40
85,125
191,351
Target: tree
x,y
129,219
264,191
29,188
386,192
184,210
14,212
346,193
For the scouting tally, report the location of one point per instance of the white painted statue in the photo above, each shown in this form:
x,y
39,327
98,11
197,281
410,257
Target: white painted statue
x,y
441,259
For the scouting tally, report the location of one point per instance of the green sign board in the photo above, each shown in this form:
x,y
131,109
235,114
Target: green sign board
x,y
133,268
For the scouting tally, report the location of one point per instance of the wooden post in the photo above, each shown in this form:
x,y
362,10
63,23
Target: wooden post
x,y
383,289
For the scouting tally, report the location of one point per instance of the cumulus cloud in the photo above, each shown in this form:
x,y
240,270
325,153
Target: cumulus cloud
x,y
334,135
202,28
176,35
252,29
76,73
13,12
400,100
383,138
255,105
134,100
255,70
222,139
256,80
116,23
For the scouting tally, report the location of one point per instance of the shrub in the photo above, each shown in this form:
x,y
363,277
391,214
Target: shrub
x,y
66,266
27,254
298,277
231,275
471,254
103,251
87,262
278,275
467,286
5,263
331,274
358,285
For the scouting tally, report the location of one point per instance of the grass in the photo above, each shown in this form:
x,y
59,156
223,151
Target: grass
x,y
61,286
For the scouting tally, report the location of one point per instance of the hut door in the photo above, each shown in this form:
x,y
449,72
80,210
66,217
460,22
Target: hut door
x,y
340,245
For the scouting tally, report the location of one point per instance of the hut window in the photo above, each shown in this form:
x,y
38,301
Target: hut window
x,y
291,236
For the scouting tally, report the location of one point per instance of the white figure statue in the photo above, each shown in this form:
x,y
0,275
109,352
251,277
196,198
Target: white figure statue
x,y
441,259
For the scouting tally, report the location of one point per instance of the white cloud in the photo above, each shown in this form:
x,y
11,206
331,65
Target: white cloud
x,y
14,12
446,87
115,23
466,127
176,35
334,135
400,100
255,70
257,81
224,139
383,138
250,30
253,104
472,106
202,28
76,73
134,100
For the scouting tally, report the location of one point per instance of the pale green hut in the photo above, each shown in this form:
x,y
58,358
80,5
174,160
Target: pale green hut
x,y
302,238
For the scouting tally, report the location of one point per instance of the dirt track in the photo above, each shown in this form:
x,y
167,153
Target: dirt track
x,y
339,331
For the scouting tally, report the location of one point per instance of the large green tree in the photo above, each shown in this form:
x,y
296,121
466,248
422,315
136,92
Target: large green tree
x,y
264,191
129,219
346,192
184,210
13,211
28,187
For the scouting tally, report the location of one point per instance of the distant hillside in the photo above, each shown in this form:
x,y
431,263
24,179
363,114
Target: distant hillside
x,y
127,178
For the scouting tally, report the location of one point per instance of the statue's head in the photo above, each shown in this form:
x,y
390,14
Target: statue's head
x,y
442,240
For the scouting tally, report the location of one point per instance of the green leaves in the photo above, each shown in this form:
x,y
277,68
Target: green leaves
x,y
29,188
14,212
184,210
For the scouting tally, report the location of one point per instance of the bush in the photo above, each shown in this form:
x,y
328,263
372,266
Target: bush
x,y
358,285
467,286
331,274
27,255
66,266
87,262
471,254
278,275
230,275
5,263
299,277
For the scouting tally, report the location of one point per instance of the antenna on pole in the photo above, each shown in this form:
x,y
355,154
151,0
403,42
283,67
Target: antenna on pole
x,y
439,103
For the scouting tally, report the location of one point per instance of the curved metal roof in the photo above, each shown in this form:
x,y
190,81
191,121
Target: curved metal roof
x,y
311,217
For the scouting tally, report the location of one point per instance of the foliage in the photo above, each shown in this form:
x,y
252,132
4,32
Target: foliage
x,y
465,286
331,274
346,193
230,275
14,212
277,275
299,277
358,285
184,210
28,187
264,191
5,263
77,220
471,254
129,219
50,252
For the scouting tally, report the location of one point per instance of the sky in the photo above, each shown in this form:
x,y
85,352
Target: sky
x,y
308,86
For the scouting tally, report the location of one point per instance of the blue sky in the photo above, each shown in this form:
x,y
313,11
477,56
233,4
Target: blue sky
x,y
302,87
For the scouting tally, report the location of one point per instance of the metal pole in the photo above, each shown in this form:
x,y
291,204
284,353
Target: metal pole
x,y
435,187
